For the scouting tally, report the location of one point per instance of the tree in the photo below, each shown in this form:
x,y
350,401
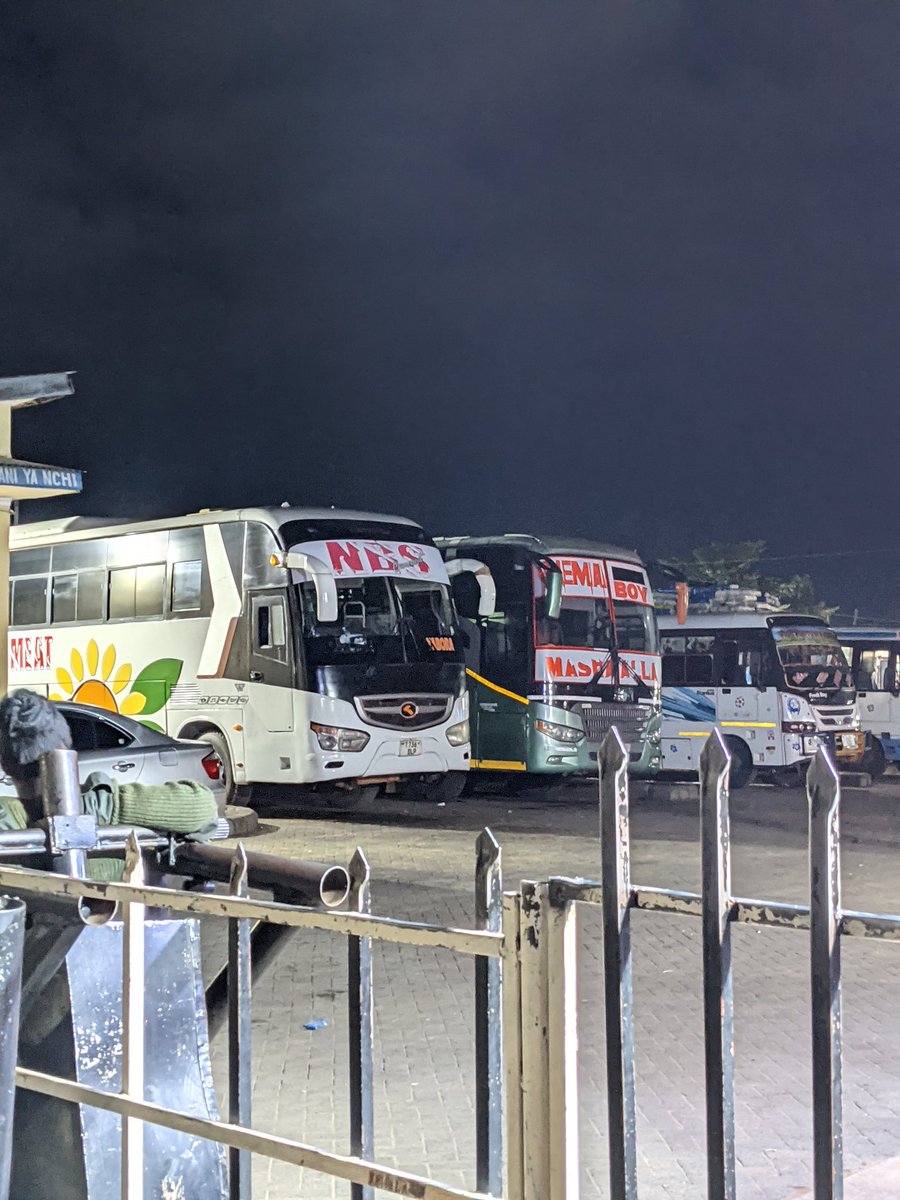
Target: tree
x,y
739,563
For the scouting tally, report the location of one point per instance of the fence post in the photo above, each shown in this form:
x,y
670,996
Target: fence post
x,y
239,1032
535,1042
511,1001
617,899
562,928
488,1067
824,792
133,1024
718,1002
360,1013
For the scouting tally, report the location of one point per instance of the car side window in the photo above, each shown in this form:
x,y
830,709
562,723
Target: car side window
x,y
88,734
110,737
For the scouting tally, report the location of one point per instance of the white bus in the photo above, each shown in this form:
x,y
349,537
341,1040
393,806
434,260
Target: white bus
x,y
307,646
776,684
874,657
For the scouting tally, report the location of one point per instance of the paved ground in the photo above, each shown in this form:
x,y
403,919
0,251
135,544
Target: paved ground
x,y
423,858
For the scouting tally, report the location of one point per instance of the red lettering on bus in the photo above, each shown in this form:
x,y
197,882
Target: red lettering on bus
x,y
29,652
344,554
630,591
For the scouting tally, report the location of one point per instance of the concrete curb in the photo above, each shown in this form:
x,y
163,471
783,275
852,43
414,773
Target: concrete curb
x,y
242,822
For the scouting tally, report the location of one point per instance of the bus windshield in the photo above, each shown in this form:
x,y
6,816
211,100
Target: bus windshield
x,y
380,619
811,659
584,623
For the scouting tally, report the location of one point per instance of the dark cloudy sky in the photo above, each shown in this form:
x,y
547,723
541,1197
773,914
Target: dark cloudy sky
x,y
627,270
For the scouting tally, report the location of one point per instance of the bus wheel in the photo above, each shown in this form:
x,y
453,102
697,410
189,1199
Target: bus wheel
x,y
873,760
741,763
235,793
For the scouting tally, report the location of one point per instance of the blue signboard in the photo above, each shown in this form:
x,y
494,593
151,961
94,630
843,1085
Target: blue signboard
x,y
37,478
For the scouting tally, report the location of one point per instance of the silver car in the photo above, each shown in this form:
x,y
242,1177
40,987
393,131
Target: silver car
x,y
128,751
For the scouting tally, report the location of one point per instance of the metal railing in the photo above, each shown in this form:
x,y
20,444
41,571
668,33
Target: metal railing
x,y
132,896
541,1007
526,1097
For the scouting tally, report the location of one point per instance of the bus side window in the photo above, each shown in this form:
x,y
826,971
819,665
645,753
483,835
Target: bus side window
x,y
732,665
271,629
504,648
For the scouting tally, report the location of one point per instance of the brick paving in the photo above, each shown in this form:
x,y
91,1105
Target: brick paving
x,y
423,860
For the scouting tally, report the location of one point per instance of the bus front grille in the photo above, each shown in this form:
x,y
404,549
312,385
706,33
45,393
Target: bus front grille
x,y
630,720
404,712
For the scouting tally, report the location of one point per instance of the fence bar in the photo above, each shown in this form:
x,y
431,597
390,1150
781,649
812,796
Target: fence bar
x,y
718,1000
389,1179
239,1032
562,928
511,1001
614,853
361,1015
824,793
133,984
535,1043
488,1066
387,929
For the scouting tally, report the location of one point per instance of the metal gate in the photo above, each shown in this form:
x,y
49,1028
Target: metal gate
x,y
526,1088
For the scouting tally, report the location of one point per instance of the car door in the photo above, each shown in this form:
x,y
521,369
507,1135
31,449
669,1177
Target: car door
x,y
270,662
103,745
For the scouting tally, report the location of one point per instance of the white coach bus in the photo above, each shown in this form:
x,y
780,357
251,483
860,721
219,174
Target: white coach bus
x,y
307,646
776,684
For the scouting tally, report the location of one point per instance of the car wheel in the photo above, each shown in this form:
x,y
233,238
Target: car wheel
x,y
235,793
741,763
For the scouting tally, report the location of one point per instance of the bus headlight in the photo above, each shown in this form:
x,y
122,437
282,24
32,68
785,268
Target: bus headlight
x,y
345,741
560,733
458,735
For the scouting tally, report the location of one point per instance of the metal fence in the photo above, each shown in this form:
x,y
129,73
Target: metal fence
x,y
525,1032
543,1124
360,928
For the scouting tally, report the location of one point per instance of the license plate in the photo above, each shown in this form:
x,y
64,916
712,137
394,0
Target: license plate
x,y
410,746
849,743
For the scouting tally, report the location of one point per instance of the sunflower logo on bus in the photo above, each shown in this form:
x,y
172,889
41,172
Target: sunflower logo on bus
x,y
92,678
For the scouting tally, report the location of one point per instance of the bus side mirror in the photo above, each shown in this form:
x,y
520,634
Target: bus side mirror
x,y
486,604
323,581
551,601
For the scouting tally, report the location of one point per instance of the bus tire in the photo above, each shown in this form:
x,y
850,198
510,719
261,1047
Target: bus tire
x,y
873,760
741,763
235,793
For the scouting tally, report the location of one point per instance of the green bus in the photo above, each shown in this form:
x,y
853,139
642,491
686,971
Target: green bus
x,y
570,650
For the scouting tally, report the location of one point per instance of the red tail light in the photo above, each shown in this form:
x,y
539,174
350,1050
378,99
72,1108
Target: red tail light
x,y
212,765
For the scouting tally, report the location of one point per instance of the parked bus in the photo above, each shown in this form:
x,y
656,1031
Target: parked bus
x,y
307,646
777,685
874,656
570,651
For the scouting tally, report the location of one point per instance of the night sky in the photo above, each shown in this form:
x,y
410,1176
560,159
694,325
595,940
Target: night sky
x,y
627,270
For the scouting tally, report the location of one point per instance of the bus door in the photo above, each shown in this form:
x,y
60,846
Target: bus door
x,y
740,672
875,669
497,698
270,661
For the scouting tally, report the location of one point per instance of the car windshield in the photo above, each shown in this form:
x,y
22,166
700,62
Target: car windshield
x,y
584,623
382,620
811,659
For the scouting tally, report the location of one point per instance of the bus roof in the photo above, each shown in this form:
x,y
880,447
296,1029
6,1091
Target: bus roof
x,y
747,620
78,528
546,544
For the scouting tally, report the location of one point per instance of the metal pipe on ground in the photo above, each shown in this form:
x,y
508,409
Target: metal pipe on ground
x,y
290,880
